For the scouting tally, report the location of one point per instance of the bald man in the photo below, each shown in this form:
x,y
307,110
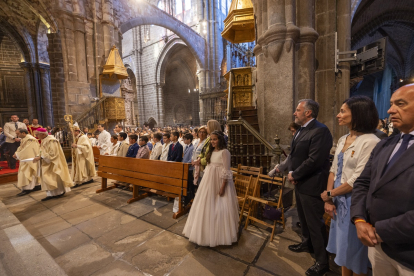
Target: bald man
x,y
383,196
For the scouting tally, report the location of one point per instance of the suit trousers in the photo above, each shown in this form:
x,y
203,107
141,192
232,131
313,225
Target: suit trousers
x,y
310,211
382,265
11,148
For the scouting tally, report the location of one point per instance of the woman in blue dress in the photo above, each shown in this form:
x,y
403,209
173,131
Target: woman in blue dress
x,y
360,115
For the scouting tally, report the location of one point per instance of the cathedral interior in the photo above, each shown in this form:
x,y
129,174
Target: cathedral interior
x,y
167,63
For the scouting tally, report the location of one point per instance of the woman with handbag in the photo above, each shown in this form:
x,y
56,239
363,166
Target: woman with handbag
x,y
214,215
360,115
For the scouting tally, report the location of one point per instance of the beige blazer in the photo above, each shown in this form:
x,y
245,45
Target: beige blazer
x,y
123,149
10,130
355,157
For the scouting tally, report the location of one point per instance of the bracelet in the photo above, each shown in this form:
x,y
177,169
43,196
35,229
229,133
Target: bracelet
x,y
359,220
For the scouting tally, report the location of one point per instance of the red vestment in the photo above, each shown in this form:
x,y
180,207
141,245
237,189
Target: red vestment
x,y
32,130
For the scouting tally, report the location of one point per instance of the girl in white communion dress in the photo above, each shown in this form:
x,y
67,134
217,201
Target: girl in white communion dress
x,y
214,218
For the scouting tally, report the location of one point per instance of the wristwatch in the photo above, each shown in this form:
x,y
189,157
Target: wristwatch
x,y
330,194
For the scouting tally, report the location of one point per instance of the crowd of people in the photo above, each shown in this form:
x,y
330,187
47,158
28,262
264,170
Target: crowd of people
x,y
367,190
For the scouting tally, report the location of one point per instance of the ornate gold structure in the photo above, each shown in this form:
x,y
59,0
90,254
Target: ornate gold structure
x,y
114,108
239,26
114,65
241,86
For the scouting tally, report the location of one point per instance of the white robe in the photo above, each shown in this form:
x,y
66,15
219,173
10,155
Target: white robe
x,y
104,141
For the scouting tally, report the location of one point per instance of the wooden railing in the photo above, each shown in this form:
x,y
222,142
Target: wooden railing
x,y
91,117
249,148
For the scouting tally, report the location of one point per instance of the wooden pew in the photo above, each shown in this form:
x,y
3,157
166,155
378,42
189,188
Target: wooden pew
x,y
147,176
96,154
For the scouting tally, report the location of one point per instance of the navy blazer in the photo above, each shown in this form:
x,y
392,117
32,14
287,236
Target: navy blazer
x,y
132,150
175,155
2,139
309,158
387,200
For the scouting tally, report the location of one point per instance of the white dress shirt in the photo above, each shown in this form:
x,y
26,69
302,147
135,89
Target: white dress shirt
x,y
156,151
165,149
397,147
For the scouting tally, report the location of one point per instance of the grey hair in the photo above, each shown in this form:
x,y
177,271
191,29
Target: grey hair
x,y
23,130
312,106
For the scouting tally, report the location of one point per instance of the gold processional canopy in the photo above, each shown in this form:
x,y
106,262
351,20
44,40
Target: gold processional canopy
x,y
114,65
239,26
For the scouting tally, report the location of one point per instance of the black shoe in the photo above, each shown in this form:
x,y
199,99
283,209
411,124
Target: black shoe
x,y
318,269
48,198
60,195
88,182
24,192
76,186
37,188
301,247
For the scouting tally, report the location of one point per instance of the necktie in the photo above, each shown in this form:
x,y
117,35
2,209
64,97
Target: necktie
x,y
15,124
404,145
172,147
298,132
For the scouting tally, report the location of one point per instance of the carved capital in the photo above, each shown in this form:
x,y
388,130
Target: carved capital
x,y
292,36
275,38
308,35
275,49
257,50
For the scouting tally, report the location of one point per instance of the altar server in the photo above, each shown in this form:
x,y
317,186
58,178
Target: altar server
x,y
83,163
104,140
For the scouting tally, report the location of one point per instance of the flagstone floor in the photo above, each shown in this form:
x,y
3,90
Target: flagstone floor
x,y
100,234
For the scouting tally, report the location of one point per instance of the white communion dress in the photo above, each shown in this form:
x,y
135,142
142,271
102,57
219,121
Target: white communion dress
x,y
213,220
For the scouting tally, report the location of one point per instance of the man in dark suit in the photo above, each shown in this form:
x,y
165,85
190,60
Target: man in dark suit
x,y
2,144
308,166
175,152
383,196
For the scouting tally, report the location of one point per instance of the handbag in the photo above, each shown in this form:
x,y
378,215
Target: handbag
x,y
270,212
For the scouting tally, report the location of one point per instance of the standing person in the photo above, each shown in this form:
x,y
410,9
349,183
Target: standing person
x,y
188,158
143,151
123,146
26,122
33,127
85,130
133,146
54,173
49,130
214,215
383,198
113,149
308,166
165,147
2,144
175,153
360,115
83,162
92,139
12,141
27,176
196,140
104,139
157,149
202,134
212,126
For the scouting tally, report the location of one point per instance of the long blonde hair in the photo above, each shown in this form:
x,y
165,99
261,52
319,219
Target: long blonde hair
x,y
213,125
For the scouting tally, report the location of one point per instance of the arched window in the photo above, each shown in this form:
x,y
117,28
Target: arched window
x,y
178,6
187,5
161,5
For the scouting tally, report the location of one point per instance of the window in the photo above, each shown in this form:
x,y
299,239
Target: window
x,y
187,5
178,6
228,5
161,5
223,7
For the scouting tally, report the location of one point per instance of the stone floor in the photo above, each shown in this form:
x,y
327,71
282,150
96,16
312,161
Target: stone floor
x,y
100,234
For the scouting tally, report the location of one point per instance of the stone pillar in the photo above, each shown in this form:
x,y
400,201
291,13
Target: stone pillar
x,y
108,28
57,78
31,95
344,44
306,53
202,89
160,105
70,48
47,108
80,51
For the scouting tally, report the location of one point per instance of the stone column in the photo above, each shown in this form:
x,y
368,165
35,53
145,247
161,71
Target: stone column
x,y
57,78
306,53
80,50
70,48
31,96
344,44
160,105
108,28
47,108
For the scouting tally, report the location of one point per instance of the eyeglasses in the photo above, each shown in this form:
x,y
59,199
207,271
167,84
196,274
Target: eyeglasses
x,y
203,132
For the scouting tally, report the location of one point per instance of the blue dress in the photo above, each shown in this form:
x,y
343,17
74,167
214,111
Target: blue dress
x,y
343,238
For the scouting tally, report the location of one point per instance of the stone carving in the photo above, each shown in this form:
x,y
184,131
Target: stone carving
x,y
129,95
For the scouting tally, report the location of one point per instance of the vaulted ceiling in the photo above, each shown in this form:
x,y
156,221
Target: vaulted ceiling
x,y
374,19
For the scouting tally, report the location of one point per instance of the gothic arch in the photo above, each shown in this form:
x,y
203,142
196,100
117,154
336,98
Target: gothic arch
x,y
151,15
163,56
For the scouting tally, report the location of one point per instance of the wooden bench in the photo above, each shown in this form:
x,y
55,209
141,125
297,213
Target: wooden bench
x,y
147,177
96,154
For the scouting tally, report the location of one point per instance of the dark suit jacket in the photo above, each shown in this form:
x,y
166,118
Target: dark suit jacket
x,y
387,201
132,150
175,155
380,134
2,139
309,158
